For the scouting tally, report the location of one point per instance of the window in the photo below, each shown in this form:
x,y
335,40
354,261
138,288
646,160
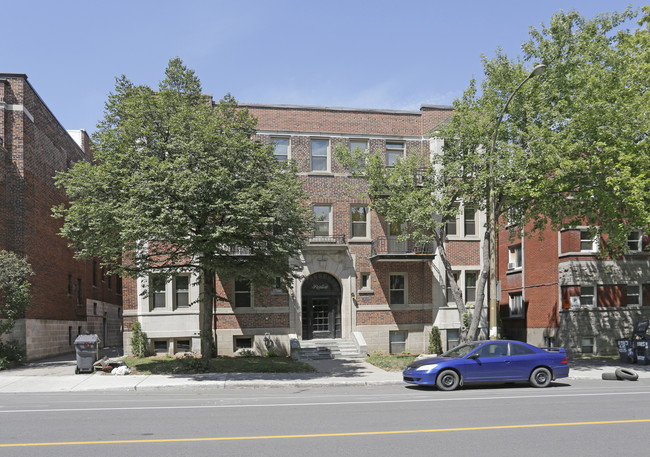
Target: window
x,y
397,286
160,346
514,257
323,218
94,273
587,345
452,223
359,216
470,221
243,293
493,350
157,285
183,346
453,338
588,243
549,341
118,285
78,291
319,155
516,305
465,220
520,349
110,282
359,146
182,291
633,295
281,149
587,295
365,281
398,342
394,152
450,296
242,342
470,287
634,241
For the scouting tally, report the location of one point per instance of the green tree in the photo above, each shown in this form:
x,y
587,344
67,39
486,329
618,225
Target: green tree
x,y
15,289
572,148
177,184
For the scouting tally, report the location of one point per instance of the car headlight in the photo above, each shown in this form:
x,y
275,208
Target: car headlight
x,y
426,367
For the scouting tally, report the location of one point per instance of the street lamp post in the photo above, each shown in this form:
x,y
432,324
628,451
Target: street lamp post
x,y
492,209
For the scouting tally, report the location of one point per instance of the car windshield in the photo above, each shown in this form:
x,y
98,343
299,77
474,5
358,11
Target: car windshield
x,y
462,350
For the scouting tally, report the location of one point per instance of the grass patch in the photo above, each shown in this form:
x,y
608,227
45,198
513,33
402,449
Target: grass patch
x,y
393,362
191,365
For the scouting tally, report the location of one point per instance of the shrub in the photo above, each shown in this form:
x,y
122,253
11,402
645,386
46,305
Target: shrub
x,y
246,353
139,344
11,354
273,352
435,342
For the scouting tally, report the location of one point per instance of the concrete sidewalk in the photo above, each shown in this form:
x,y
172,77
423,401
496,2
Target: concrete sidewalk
x,y
57,375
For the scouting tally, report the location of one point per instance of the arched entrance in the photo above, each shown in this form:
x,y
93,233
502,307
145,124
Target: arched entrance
x,y
321,307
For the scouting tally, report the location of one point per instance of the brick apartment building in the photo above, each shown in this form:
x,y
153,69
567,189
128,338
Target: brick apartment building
x,y
68,296
557,291
358,282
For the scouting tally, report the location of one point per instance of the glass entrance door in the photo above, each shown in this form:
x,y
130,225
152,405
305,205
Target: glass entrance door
x,y
321,318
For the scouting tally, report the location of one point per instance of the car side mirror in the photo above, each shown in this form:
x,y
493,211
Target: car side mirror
x,y
473,356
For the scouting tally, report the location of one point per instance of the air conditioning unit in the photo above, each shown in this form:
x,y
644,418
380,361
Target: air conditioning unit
x,y
512,266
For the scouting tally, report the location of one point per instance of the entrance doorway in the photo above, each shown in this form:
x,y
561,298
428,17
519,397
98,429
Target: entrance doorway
x,y
321,307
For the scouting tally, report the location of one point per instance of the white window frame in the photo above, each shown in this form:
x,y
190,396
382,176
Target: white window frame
x,y
467,287
459,223
404,290
465,221
177,291
327,155
635,244
630,288
392,148
355,143
515,257
397,339
329,220
155,293
365,284
516,305
586,297
274,141
586,238
366,223
237,338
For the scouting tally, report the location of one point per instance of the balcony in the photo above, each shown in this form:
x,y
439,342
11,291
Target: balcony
x,y
328,242
390,248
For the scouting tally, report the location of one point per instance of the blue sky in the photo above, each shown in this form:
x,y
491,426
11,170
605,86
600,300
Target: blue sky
x,y
365,54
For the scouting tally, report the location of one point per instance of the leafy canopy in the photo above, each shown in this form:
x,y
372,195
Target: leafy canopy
x,y
15,289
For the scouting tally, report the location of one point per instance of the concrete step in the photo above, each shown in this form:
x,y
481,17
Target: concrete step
x,y
328,349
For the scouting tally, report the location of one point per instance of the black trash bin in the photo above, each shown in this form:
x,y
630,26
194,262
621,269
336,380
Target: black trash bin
x,y
626,351
87,349
642,350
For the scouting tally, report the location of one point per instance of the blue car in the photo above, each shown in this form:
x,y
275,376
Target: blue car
x,y
488,362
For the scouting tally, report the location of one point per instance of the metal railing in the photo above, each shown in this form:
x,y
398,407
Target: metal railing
x,y
392,246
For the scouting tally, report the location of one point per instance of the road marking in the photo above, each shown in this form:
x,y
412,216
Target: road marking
x,y
328,435
444,398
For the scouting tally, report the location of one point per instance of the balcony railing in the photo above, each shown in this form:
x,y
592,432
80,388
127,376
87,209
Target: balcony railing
x,y
316,240
390,247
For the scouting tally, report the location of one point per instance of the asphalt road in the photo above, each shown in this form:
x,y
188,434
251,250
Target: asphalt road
x,y
595,418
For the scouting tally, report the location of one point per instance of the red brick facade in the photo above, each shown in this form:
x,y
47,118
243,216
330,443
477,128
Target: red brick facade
x,y
35,147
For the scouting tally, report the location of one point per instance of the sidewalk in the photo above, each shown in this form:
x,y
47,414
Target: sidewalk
x,y
57,375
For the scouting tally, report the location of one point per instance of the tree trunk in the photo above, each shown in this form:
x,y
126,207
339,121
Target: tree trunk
x,y
455,290
207,308
480,290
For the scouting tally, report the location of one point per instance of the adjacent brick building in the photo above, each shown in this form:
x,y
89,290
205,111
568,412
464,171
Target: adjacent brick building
x,y
358,281
557,290
68,296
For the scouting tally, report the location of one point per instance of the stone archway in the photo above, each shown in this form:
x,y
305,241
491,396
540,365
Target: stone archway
x,y
321,307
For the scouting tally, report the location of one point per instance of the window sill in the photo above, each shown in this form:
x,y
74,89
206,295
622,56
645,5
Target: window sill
x,y
320,173
366,291
360,240
514,270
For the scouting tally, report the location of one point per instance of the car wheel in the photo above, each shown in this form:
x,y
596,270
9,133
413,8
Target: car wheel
x,y
628,375
448,380
540,377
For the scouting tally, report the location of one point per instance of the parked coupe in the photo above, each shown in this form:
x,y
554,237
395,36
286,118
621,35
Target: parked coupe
x,y
488,362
